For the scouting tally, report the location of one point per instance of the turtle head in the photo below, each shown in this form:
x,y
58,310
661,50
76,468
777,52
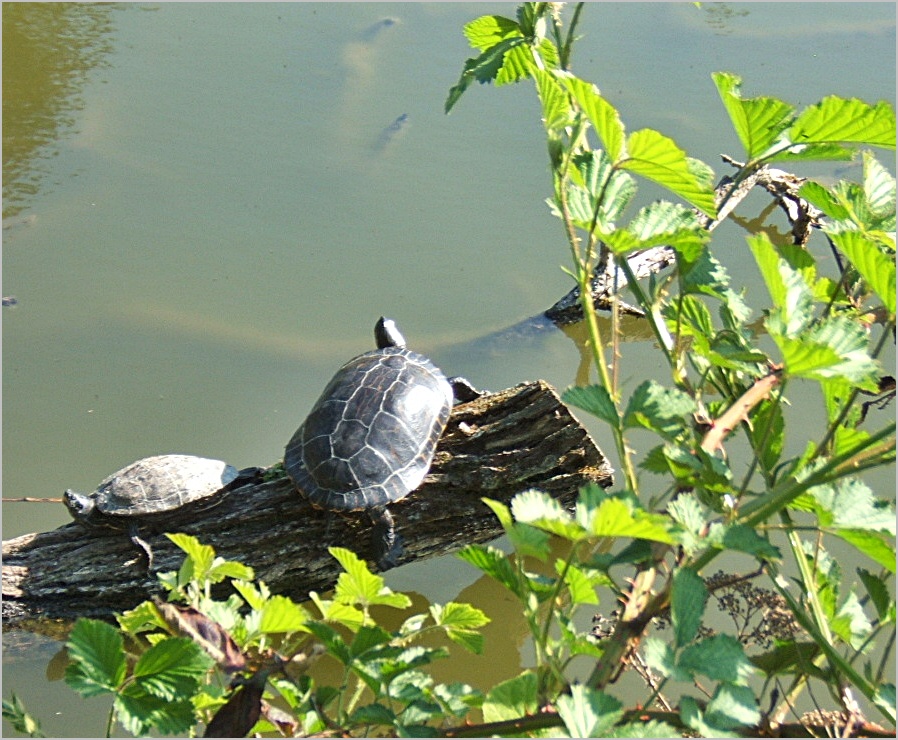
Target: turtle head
x,y
387,334
80,506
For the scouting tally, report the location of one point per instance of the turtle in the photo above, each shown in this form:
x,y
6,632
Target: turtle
x,y
154,490
370,438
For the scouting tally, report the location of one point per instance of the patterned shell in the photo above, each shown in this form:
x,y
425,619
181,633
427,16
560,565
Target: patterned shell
x,y
160,484
371,436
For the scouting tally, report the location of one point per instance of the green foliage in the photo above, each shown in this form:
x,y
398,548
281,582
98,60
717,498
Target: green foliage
x,y
725,379
646,543
15,713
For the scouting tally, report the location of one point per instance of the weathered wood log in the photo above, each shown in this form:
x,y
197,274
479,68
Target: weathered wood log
x,y
495,446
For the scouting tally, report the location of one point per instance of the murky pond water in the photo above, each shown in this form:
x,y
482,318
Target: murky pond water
x,y
206,207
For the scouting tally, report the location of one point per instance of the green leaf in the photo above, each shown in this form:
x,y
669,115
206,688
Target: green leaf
x,y
582,582
97,655
732,707
879,593
849,504
358,585
758,122
601,114
494,563
655,407
819,197
554,100
659,656
877,269
201,555
372,714
512,699
720,658
879,189
746,539
139,713
595,400
789,657
845,121
461,622
687,605
222,569
14,712
874,546
658,158
615,518
484,68
485,32
171,669
652,728
587,712
540,510
527,540
280,614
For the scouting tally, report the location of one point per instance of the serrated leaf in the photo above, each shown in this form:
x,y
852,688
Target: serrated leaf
x,y
835,348
540,510
511,699
201,555
879,593
494,563
877,269
461,622
687,605
655,407
849,504
845,121
554,100
874,546
172,668
819,197
745,539
372,714
658,158
581,583
358,585
879,188
587,712
139,713
758,122
96,651
614,518
484,68
602,115
720,658
732,707
789,657
485,32
660,657
595,400
661,224
281,614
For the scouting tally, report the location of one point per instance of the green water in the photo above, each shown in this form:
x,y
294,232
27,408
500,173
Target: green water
x,y
205,210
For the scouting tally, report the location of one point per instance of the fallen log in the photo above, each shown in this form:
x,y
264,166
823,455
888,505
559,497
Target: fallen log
x,y
496,446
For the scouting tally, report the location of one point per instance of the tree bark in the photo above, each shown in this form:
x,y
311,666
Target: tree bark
x,y
495,446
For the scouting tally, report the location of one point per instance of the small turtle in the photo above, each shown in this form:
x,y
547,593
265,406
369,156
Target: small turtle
x,y
153,491
371,436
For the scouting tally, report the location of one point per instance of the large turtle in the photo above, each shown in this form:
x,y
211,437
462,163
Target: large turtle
x,y
153,491
371,436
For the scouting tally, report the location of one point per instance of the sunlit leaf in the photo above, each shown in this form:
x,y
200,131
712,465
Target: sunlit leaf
x,y
512,699
485,32
358,585
758,122
139,713
602,115
587,712
879,187
845,121
281,614
732,707
720,658
879,593
873,545
494,563
541,510
554,100
658,158
655,407
877,269
614,518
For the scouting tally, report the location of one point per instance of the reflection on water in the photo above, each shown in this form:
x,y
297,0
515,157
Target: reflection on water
x,y
49,49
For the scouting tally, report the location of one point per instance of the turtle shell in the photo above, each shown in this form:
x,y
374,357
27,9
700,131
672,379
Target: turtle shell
x,y
160,484
371,436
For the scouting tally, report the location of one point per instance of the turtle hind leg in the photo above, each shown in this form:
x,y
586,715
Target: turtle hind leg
x,y
134,534
387,543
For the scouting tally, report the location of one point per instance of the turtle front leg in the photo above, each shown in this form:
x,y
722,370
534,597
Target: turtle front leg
x,y
134,534
387,544
464,390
